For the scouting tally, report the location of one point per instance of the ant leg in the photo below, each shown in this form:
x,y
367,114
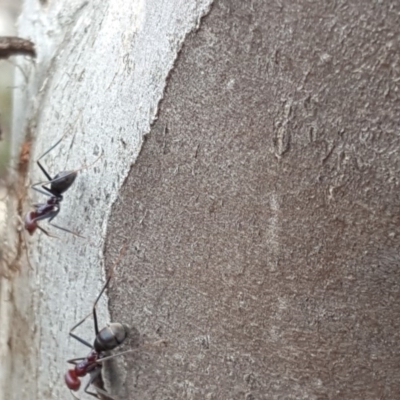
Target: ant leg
x,y
24,239
46,152
87,316
47,193
121,254
77,337
104,394
46,232
129,351
80,340
74,395
94,375
66,230
61,228
50,149
115,355
96,327
74,360
73,172
42,168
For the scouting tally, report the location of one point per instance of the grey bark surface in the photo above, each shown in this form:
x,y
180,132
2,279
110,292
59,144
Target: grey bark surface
x,y
99,75
263,211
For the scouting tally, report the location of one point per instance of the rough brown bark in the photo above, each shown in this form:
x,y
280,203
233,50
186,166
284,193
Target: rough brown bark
x,y
97,80
262,211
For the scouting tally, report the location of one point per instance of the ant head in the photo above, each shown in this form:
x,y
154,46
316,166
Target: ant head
x,y
111,337
63,181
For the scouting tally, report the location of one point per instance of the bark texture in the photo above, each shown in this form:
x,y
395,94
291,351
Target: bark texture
x,y
262,213
99,75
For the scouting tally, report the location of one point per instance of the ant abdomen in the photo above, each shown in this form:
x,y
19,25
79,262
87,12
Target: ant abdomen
x,y
110,337
30,222
46,210
72,380
63,181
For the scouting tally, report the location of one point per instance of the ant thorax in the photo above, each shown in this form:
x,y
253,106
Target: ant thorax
x,y
50,206
81,369
87,365
55,200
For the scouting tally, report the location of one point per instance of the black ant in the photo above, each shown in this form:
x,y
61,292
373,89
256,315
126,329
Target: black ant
x,y
49,210
106,339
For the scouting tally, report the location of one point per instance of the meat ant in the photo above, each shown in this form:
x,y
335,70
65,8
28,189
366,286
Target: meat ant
x,y
108,338
58,185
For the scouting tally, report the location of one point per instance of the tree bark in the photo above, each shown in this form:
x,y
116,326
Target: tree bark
x,y
99,75
260,214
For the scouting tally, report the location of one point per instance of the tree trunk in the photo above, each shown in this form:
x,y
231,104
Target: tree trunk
x,y
260,215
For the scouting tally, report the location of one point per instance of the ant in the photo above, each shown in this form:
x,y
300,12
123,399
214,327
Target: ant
x,y
108,338
58,185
